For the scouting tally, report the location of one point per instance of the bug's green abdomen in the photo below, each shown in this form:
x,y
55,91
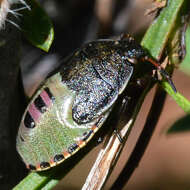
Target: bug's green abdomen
x,y
47,137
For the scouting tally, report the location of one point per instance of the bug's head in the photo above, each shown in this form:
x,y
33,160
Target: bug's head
x,y
132,50
134,53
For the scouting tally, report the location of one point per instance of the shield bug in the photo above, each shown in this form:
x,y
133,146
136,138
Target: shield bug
x,y
72,104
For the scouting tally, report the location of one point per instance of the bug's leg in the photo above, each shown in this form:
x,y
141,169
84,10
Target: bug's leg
x,y
118,135
182,41
185,22
120,111
99,140
161,70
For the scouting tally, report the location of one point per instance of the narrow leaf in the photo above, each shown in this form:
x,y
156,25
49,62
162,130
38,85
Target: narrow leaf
x,y
157,35
37,26
33,180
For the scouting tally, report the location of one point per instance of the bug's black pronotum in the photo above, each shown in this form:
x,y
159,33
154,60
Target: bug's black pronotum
x,y
71,105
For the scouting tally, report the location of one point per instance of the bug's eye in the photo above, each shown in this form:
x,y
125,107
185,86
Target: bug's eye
x,y
132,60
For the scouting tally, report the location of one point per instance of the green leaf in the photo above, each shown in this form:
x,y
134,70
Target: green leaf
x,y
185,65
37,27
158,33
33,180
181,125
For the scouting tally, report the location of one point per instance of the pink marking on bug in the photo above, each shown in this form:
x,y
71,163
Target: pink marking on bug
x,y
46,98
34,112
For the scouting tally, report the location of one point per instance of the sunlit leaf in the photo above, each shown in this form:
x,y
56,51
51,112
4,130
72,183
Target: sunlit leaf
x,y
158,33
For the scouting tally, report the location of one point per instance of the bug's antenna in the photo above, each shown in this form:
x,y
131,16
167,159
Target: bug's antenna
x,y
162,71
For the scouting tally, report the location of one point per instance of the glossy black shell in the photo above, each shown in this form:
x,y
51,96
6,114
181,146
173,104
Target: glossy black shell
x,y
98,72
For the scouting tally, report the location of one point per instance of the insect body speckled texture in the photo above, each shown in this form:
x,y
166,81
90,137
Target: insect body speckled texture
x,y
73,104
